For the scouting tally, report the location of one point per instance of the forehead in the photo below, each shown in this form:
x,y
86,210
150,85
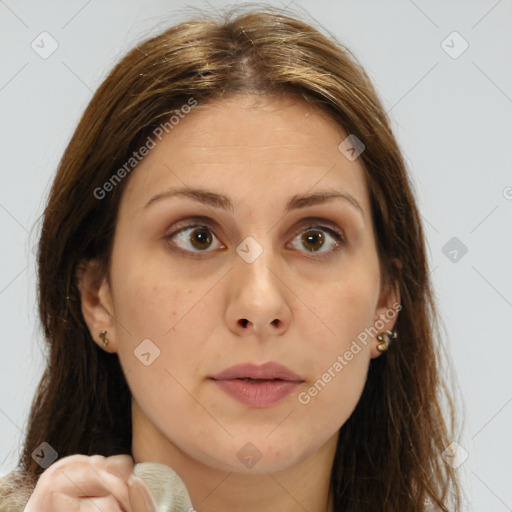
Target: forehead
x,y
247,146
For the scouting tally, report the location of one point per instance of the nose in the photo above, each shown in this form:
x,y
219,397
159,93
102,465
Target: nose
x,y
258,298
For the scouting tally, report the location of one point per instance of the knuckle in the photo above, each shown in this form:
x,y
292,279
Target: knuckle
x,y
119,464
70,460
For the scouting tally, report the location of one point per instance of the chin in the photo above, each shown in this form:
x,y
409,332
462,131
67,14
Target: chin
x,y
261,455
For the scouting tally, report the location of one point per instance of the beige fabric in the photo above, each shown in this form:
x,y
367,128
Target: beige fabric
x,y
14,492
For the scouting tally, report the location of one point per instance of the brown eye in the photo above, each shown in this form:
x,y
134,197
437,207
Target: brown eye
x,y
200,238
194,239
313,240
320,240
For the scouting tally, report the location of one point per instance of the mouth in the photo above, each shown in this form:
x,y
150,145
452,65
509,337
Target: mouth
x,y
251,371
256,381
258,386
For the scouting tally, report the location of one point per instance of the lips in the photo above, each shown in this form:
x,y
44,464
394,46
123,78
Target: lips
x,y
267,371
258,386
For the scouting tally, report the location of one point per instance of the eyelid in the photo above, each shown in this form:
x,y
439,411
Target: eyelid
x,y
318,223
195,220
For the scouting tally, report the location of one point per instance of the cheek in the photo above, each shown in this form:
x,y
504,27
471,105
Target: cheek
x,y
345,308
341,357
331,399
173,312
340,360
162,345
150,296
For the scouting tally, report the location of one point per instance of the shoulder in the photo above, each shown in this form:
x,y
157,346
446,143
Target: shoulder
x,y
15,491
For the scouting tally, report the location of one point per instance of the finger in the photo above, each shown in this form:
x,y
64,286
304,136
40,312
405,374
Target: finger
x,y
83,481
78,480
70,460
140,497
103,504
120,465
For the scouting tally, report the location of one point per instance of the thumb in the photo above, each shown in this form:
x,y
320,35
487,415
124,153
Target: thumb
x,y
141,499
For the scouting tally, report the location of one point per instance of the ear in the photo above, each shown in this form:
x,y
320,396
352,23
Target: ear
x,y
387,310
97,305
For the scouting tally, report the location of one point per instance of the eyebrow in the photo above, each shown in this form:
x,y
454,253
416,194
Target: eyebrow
x,y
215,200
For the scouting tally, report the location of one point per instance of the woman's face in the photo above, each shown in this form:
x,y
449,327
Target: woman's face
x,y
228,251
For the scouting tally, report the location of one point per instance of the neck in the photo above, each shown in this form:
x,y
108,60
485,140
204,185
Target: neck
x,y
303,486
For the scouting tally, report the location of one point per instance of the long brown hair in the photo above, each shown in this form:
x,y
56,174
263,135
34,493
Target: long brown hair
x,y
389,451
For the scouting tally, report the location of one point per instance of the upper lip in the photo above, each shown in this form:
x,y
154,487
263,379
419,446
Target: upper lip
x,y
267,371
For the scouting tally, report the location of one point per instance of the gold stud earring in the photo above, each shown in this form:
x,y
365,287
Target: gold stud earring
x,y
104,339
386,338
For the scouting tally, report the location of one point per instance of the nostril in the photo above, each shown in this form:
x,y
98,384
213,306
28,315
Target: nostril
x,y
244,322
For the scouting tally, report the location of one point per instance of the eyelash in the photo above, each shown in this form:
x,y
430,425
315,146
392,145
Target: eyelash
x,y
330,229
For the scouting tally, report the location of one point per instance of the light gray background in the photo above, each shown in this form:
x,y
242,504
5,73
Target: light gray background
x,y
453,119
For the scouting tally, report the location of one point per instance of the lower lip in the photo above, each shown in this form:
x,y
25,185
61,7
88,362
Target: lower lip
x,y
258,394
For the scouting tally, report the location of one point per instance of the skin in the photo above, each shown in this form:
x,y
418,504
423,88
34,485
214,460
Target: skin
x,y
259,152
80,483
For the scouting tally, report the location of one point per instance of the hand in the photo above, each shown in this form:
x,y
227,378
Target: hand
x,y
79,483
